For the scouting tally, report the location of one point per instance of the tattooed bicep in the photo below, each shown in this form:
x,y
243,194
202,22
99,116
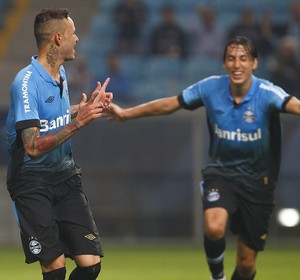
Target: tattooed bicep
x,y
29,136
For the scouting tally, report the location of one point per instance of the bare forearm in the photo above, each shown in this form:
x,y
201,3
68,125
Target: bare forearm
x,y
157,107
293,106
36,145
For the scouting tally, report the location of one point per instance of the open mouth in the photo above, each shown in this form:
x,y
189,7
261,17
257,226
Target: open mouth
x,y
237,74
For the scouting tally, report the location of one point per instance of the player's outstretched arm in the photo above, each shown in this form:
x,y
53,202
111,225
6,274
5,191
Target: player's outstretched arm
x,y
162,106
293,106
88,110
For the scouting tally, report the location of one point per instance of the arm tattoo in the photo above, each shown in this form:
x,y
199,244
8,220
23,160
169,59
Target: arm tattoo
x,y
36,145
28,137
74,111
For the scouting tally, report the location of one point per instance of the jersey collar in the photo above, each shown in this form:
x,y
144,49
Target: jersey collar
x,y
42,71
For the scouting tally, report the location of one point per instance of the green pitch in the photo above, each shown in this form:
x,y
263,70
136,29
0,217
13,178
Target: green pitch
x,y
162,262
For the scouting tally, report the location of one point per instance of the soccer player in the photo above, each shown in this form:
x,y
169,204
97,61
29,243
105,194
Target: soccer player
x,y
239,180
43,180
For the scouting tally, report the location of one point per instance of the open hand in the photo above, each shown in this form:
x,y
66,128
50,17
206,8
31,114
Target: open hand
x,y
88,110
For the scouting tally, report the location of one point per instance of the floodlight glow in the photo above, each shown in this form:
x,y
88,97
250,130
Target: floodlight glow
x,y
288,217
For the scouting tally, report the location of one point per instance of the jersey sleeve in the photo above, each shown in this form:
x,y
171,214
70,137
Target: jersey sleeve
x,y
24,97
276,96
191,97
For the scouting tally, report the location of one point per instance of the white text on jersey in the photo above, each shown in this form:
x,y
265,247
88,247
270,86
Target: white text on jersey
x,y
58,122
25,91
238,135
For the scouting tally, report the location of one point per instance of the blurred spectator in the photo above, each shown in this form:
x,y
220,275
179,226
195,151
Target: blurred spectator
x,y
5,7
79,80
168,37
205,36
291,26
259,32
284,68
129,15
119,83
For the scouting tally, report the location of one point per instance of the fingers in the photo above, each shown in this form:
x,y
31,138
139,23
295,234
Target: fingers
x,y
97,98
105,84
98,87
100,94
83,98
108,99
95,94
109,96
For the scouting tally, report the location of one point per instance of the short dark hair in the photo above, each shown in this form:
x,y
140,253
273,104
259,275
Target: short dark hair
x,y
245,42
43,22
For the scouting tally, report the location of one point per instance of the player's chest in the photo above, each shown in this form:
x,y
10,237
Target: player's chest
x,y
53,106
246,116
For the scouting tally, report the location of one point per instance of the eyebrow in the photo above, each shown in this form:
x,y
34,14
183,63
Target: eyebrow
x,y
242,55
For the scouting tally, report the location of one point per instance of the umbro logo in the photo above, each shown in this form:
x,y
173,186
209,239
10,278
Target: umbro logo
x,y
90,236
264,236
50,99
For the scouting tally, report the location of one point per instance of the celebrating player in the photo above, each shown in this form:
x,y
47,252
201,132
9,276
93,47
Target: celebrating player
x,y
43,180
239,180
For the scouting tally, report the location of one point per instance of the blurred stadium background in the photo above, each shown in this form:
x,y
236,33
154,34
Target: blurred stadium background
x,y
142,176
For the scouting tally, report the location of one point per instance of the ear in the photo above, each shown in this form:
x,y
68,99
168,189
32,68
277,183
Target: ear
x,y
255,64
58,38
224,66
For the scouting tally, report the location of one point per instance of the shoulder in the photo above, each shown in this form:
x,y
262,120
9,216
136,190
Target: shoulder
x,y
213,82
267,87
206,89
25,75
271,95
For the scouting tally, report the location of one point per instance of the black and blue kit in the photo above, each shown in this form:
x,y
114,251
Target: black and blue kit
x,y
50,205
245,148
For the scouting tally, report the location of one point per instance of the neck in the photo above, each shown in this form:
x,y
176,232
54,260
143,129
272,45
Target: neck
x,y
51,68
239,91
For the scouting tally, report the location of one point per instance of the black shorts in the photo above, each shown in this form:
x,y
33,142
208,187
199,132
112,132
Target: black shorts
x,y
55,221
249,212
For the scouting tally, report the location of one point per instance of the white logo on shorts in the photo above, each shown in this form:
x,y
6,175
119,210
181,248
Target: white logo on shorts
x,y
213,195
35,247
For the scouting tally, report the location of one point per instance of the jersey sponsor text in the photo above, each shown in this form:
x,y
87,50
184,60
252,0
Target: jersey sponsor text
x,y
25,91
238,135
58,122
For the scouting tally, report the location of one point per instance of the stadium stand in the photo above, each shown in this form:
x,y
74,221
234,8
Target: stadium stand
x,y
146,69
162,67
5,5
198,68
132,65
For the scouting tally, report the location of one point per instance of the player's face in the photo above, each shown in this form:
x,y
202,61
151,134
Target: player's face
x,y
239,65
69,41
